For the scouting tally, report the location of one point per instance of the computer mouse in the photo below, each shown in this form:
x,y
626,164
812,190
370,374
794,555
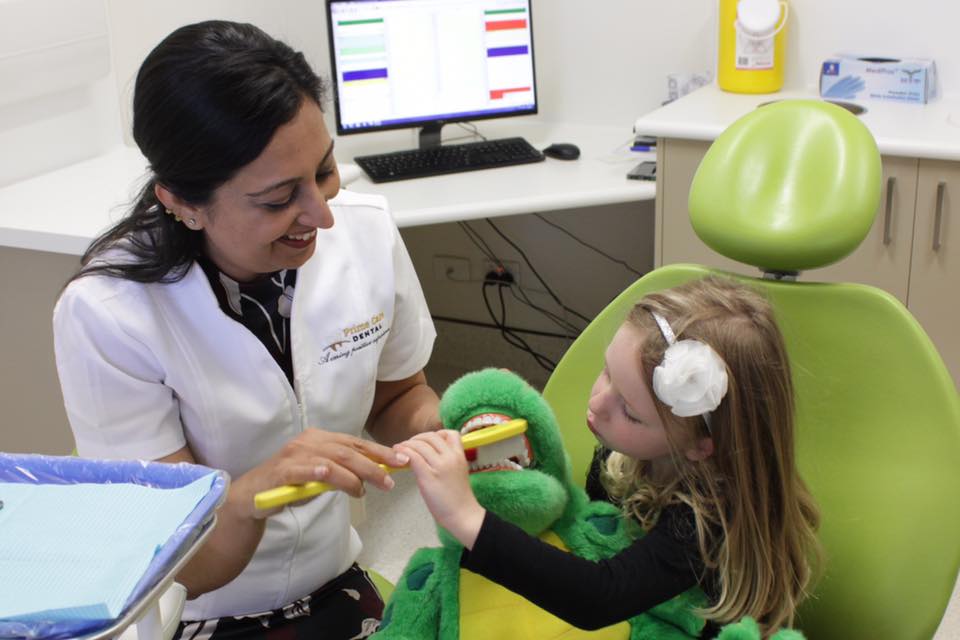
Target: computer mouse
x,y
562,151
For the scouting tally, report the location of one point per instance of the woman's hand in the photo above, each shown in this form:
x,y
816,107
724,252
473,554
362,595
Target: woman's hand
x,y
344,461
341,460
440,465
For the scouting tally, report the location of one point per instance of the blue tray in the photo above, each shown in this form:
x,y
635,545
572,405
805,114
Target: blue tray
x,y
38,469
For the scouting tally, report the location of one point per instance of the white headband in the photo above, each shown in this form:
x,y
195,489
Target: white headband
x,y
692,378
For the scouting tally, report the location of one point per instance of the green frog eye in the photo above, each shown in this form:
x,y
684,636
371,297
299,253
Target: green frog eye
x,y
419,576
607,525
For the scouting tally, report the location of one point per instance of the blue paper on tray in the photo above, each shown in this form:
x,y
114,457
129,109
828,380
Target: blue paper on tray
x,y
77,551
44,472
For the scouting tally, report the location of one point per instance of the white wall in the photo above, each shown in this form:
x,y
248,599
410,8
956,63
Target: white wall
x,y
596,62
57,130
607,61
607,65
58,102
919,29
136,27
588,74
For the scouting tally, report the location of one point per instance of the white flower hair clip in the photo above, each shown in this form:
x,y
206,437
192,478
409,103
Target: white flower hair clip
x,y
692,378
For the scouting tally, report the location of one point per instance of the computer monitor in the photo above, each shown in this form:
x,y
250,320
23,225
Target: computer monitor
x,y
410,63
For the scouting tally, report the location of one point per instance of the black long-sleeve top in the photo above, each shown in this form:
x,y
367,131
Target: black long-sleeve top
x,y
587,594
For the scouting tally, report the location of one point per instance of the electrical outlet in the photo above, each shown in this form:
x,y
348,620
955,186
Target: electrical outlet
x,y
452,268
510,265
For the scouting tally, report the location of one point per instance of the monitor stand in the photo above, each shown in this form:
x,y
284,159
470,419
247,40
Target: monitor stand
x,y
430,135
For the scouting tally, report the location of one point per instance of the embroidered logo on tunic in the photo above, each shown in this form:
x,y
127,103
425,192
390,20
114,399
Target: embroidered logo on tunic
x,y
335,346
354,338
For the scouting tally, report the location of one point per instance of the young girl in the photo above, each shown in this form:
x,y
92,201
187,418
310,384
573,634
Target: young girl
x,y
696,404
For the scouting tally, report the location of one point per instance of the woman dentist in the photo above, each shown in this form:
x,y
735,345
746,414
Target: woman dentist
x,y
250,316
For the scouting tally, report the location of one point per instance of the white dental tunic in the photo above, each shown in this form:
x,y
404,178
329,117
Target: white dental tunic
x,y
149,368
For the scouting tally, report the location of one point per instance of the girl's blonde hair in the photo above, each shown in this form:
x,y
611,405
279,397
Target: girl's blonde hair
x,y
755,518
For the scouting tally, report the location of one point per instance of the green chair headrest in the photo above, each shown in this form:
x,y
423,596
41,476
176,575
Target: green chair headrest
x,y
793,185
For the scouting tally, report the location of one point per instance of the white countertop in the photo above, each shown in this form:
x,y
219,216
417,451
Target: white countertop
x,y
598,177
914,130
64,210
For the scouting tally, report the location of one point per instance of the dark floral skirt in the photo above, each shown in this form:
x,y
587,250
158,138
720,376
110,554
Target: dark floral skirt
x,y
349,607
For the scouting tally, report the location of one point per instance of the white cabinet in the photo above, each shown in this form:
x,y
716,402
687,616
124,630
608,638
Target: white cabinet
x,y
934,295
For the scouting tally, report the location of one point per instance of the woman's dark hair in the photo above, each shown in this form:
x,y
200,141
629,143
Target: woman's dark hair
x,y
207,101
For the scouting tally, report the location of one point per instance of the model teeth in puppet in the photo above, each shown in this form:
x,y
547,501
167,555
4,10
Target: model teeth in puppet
x,y
522,479
512,454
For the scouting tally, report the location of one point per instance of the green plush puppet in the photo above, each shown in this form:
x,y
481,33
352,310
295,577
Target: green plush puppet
x,y
525,480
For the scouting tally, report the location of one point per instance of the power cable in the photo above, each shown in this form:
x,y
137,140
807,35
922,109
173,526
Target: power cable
x,y
572,330
478,241
472,128
590,246
487,325
535,272
511,338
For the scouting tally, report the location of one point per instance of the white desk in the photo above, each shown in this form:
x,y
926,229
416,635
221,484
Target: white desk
x,y
61,212
595,178
911,130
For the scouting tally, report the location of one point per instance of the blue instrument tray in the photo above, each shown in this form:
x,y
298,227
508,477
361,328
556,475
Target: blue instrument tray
x,y
55,470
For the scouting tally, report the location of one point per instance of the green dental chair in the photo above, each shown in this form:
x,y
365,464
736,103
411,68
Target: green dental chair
x,y
792,186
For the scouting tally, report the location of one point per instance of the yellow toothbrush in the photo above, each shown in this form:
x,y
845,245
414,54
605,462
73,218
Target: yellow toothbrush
x,y
293,492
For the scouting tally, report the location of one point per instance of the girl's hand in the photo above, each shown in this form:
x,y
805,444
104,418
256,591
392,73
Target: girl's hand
x,y
438,461
344,461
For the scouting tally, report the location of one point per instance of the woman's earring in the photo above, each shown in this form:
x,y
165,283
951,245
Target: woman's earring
x,y
192,222
171,213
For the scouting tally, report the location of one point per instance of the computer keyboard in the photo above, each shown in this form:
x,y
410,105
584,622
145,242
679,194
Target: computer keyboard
x,y
449,158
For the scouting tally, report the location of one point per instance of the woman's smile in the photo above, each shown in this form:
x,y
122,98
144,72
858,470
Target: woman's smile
x,y
299,240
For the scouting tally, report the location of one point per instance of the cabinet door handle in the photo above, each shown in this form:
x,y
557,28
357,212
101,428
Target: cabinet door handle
x,y
938,215
888,212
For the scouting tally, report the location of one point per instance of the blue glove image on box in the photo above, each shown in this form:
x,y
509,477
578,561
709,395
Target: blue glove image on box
x,y
846,87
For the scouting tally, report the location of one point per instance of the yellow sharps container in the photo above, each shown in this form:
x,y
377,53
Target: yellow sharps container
x,y
751,53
